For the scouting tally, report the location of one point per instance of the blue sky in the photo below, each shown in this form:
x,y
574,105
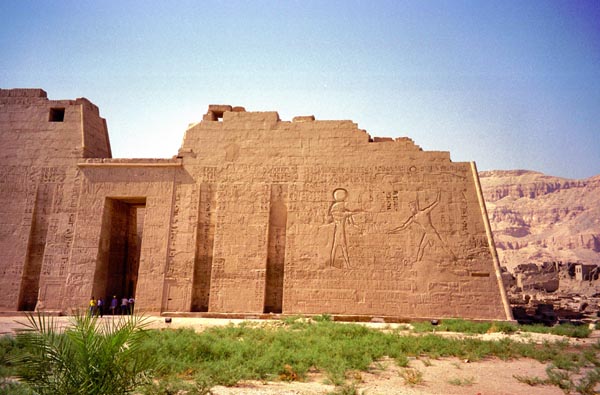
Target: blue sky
x,y
508,84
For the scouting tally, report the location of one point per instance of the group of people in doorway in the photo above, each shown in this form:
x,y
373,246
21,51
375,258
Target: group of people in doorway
x,y
116,307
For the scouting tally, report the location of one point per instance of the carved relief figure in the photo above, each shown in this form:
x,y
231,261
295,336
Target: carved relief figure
x,y
339,215
422,218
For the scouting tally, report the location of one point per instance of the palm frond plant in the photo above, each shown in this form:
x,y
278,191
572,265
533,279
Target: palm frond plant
x,y
91,356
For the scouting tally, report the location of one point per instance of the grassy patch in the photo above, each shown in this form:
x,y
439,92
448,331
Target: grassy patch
x,y
531,380
346,389
462,381
476,327
453,325
569,330
194,362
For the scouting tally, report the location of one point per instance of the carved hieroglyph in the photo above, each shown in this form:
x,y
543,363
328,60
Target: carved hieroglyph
x,y
254,215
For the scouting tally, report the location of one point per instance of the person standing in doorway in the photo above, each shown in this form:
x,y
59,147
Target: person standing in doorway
x,y
92,306
124,302
100,307
113,304
131,302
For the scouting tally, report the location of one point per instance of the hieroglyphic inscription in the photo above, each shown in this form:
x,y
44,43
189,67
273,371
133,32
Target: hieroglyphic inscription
x,y
182,230
281,173
333,174
391,201
464,213
299,197
52,228
61,209
52,175
209,174
263,174
13,180
240,245
337,175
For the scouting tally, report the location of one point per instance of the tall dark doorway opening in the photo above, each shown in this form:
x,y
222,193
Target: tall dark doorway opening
x,y
276,249
119,251
35,250
204,247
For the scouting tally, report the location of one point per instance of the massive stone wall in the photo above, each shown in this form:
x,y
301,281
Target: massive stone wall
x,y
258,215
41,142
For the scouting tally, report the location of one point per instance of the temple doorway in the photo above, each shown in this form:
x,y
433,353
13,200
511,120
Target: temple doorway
x,y
119,251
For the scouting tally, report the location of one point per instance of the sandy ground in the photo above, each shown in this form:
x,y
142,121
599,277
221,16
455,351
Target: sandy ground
x,y
448,376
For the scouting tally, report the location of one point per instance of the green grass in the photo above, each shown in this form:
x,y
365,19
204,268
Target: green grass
x,y
531,380
569,330
226,355
476,327
192,363
462,381
453,325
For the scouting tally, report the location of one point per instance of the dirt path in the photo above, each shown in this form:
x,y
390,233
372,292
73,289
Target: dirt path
x,y
448,376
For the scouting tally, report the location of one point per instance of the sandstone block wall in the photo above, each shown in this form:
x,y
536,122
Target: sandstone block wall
x,y
254,215
41,142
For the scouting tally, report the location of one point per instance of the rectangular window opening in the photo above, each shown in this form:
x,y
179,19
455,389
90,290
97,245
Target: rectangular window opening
x,y
57,115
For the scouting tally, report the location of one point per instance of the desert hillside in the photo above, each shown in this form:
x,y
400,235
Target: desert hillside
x,y
538,218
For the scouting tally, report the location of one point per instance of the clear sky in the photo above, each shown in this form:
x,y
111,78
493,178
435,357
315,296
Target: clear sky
x,y
508,84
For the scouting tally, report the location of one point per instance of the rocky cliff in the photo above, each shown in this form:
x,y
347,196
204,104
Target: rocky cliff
x,y
547,233
538,218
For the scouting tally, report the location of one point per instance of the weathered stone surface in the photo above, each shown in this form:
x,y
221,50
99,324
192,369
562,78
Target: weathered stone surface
x,y
539,218
254,215
547,232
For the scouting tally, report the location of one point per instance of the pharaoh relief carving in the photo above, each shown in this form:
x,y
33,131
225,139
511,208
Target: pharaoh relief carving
x,y
420,220
340,216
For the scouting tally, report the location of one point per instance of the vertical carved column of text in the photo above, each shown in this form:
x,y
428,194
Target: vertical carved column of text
x,y
88,249
61,236
240,248
154,248
180,257
217,273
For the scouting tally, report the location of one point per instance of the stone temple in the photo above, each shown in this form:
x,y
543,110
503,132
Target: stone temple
x,y
254,215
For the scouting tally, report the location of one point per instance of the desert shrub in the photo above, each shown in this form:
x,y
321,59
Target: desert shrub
x,y
89,357
412,376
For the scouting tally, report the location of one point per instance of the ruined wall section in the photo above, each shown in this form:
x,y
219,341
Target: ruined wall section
x,y
372,226
96,143
41,141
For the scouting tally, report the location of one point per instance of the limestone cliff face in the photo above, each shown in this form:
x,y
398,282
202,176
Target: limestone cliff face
x,y
537,218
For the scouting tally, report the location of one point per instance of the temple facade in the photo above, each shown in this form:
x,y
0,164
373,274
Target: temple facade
x,y
253,215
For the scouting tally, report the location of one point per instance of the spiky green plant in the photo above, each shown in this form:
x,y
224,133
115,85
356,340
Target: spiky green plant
x,y
89,357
